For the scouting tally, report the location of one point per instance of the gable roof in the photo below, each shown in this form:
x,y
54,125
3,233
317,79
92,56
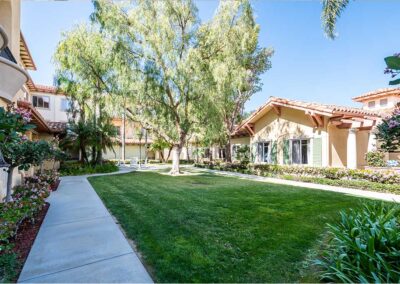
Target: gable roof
x,y
378,94
328,110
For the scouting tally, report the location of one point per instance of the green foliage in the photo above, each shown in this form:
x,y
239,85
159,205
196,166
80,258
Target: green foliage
x,y
364,246
85,72
77,168
389,131
393,68
85,136
27,200
177,71
375,159
331,11
13,123
358,184
389,177
243,153
9,266
212,229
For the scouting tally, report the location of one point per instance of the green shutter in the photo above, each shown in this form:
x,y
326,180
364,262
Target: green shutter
x,y
274,153
317,152
253,152
286,157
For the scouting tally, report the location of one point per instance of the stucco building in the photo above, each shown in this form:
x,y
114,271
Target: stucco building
x,y
284,131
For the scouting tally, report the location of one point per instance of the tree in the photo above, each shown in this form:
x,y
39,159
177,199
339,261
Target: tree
x,y
166,52
238,66
389,132
85,73
14,122
158,145
18,154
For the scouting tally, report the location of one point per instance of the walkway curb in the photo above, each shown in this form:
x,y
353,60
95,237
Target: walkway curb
x,y
351,191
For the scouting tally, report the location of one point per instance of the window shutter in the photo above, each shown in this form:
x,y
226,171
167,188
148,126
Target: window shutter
x,y
286,152
274,153
317,152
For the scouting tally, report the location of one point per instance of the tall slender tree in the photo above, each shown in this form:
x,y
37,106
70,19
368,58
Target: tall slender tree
x,y
237,69
85,73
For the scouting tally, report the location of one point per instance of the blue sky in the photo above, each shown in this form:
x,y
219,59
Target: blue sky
x,y
305,65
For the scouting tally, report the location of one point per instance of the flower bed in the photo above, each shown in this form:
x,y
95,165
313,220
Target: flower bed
x,y
20,221
363,179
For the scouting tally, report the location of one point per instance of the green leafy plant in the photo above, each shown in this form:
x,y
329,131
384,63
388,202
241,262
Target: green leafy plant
x,y
364,246
375,159
389,131
393,68
77,168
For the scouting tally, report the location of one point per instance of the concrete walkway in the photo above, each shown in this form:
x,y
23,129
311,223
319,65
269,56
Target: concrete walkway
x,y
350,191
80,242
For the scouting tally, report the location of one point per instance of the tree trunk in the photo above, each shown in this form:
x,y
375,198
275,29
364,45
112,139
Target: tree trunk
x,y
177,155
9,183
175,159
187,154
169,153
228,153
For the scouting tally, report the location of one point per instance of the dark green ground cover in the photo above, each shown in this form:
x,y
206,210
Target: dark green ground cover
x,y
208,228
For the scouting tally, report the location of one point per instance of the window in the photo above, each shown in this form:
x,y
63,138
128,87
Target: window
x,y
264,152
65,105
299,149
371,104
41,101
383,102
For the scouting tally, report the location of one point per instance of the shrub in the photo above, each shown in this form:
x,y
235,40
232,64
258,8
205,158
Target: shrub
x,y
28,199
375,159
9,265
364,246
77,168
320,172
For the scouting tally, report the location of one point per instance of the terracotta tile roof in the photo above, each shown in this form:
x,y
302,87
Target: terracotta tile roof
x,y
378,94
57,126
312,107
25,54
47,89
326,109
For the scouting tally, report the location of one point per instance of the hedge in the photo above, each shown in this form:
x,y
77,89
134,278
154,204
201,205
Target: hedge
x,y
338,174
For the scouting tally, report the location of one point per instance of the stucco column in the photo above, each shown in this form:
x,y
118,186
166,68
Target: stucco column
x,y
372,142
352,149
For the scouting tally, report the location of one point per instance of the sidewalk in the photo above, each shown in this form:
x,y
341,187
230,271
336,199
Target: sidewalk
x,y
351,191
80,242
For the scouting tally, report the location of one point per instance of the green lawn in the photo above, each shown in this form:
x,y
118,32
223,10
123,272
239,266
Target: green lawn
x,y
208,228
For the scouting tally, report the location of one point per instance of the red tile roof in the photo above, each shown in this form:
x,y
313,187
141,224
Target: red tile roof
x,y
317,108
378,94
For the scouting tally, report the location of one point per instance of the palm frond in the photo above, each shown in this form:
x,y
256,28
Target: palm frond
x,y
331,11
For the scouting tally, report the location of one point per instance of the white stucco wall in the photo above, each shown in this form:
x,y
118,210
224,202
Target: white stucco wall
x,y
54,112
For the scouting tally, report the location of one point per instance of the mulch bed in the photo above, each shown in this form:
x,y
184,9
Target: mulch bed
x,y
54,186
26,235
